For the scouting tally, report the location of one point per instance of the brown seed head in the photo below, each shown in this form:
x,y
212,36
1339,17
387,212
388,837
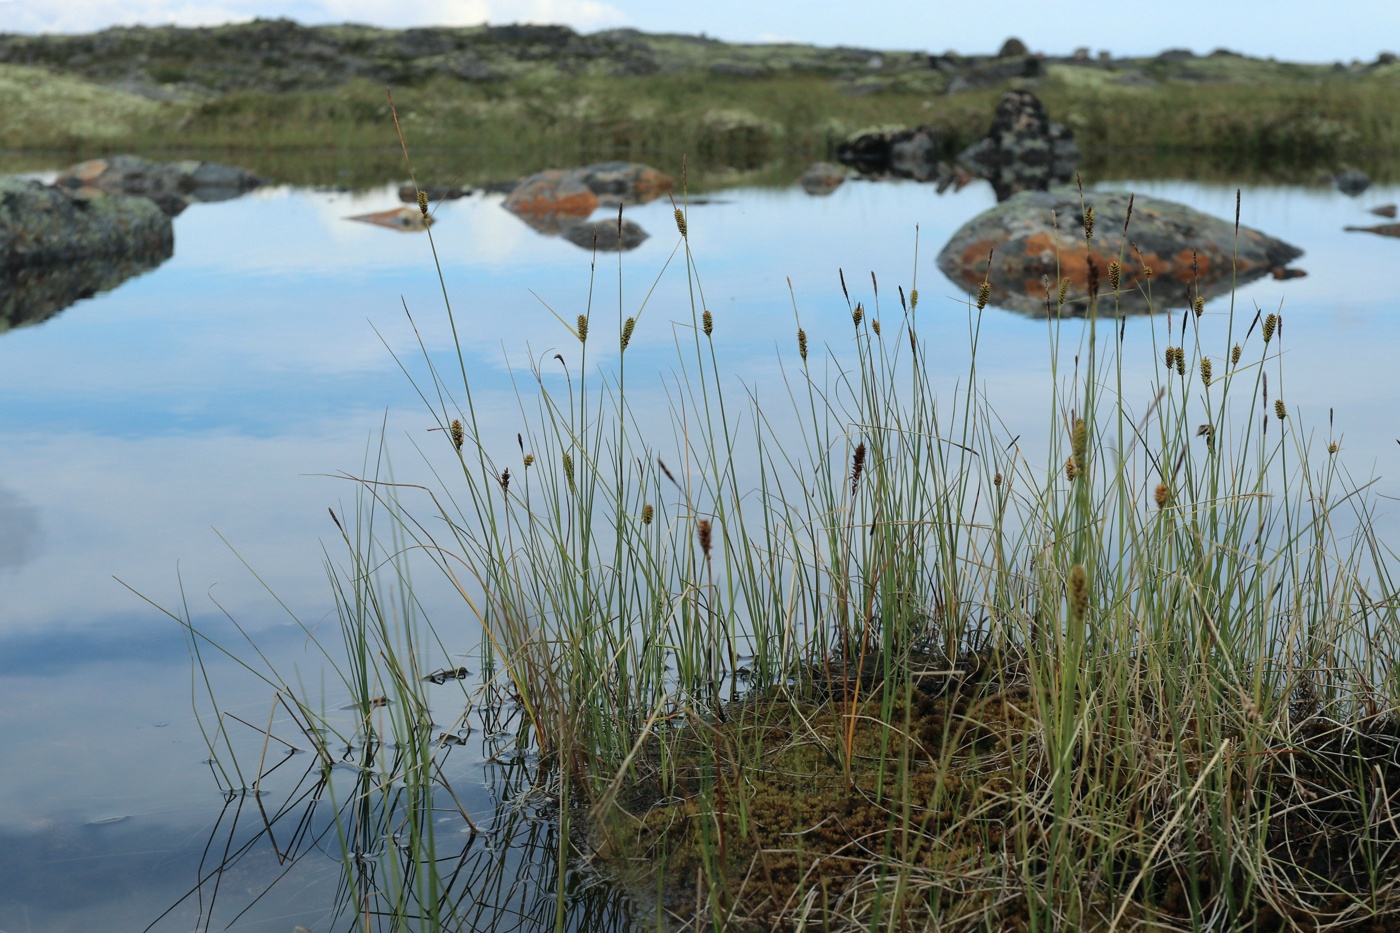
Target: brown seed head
x,y
1093,270
1171,357
1270,323
1332,447
1078,592
1205,370
1181,361
457,436
505,480
857,466
1235,354
1115,272
1280,409
984,291
702,528
583,328
1163,495
627,327
875,326
1089,223
802,344
529,459
1199,306
1079,445
648,513
423,202
1064,289
680,221
707,321
858,314
996,480
913,298
1071,469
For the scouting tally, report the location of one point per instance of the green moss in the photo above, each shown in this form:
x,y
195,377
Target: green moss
x,y
40,109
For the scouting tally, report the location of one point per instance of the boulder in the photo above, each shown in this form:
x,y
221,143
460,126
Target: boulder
x,y
898,152
822,178
1012,48
625,182
552,193
604,235
1352,182
56,249
1037,235
409,194
171,185
1023,150
46,225
555,200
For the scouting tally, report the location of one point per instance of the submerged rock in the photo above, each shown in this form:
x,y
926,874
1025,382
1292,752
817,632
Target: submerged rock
x,y
1035,235
403,219
822,178
605,236
171,185
1023,150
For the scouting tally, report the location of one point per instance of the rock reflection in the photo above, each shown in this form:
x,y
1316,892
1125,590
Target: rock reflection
x,y
1036,240
33,294
558,202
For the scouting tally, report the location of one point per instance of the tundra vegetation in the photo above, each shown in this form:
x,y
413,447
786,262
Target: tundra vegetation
x,y
519,98
851,657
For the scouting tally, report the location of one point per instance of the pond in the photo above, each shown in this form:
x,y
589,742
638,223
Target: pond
x,y
175,443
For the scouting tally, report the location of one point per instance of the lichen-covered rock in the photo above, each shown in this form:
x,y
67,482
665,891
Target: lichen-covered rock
x,y
1036,235
625,182
1023,150
44,225
171,185
605,236
552,193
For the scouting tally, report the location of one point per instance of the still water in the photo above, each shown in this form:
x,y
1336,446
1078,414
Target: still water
x,y
182,437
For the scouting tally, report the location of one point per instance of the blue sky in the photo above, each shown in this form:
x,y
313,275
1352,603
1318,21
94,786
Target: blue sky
x,y
1288,29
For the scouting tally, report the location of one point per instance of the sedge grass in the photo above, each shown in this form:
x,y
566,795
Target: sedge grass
x,y
864,660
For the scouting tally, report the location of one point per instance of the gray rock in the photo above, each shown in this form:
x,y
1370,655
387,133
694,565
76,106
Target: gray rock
x,y
172,185
822,178
1352,182
604,235
44,225
1023,150
902,153
1036,235
1012,47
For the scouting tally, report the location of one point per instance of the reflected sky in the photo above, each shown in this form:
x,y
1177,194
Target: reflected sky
x,y
220,393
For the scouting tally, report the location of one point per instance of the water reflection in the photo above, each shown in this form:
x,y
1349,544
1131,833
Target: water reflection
x,y
20,534
33,294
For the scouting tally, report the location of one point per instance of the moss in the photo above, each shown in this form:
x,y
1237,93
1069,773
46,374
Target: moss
x,y
40,109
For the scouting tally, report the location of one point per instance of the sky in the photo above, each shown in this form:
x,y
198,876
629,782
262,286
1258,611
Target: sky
x,y
1293,30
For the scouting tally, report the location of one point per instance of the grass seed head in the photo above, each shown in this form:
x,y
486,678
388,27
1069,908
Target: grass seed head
x,y
913,298
569,470
1163,495
680,222
1270,323
1199,306
1332,447
703,530
1235,354
984,291
1071,469
627,327
583,328
996,480
505,480
1064,289
1181,361
423,202
529,459
707,321
1078,592
1115,274
858,314
648,513
1171,357
1079,444
857,466
1205,370
457,436
802,344
1089,223
1280,409
875,326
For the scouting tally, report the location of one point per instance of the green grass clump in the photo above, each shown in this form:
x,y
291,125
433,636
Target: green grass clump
x,y
861,657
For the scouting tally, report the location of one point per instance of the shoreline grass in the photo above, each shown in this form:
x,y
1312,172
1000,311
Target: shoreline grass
x,y
858,659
